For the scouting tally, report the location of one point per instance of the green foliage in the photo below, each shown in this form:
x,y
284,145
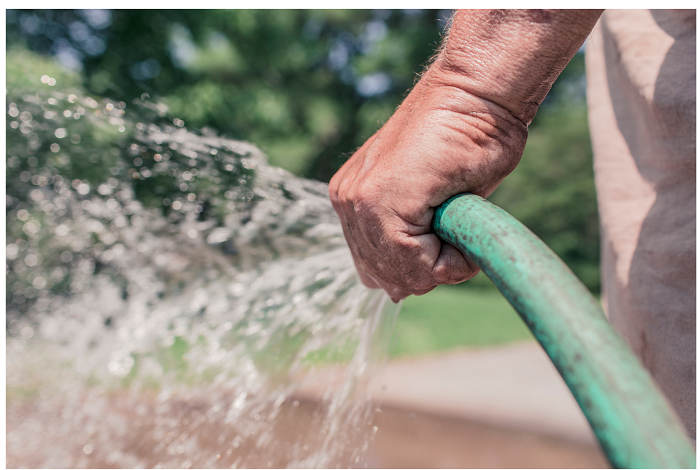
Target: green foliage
x,y
450,317
65,148
21,71
446,318
291,81
553,193
286,80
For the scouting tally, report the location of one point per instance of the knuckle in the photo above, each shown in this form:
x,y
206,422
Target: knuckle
x,y
333,194
363,199
334,184
343,201
418,280
454,275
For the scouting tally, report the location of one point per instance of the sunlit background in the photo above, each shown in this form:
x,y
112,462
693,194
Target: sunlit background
x,y
307,87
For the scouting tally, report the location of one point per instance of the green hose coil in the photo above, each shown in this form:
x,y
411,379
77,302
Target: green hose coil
x,y
632,420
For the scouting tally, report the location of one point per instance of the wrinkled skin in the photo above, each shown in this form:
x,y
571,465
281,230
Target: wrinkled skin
x,y
462,128
440,142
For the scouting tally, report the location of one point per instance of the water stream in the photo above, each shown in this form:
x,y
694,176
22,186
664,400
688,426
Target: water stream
x,y
172,300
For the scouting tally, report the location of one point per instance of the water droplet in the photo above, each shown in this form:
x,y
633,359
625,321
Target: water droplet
x,y
27,332
104,189
62,230
143,277
30,228
39,282
87,449
11,251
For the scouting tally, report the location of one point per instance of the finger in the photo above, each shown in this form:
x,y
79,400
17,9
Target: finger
x,y
372,278
396,293
452,267
365,276
437,263
488,190
346,171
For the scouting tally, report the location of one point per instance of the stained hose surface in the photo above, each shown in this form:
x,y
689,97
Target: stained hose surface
x,y
632,420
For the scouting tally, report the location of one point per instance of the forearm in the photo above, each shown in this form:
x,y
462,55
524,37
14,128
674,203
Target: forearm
x,y
510,57
462,128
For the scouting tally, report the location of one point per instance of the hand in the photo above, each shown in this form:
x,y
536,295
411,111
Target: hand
x,y
461,129
441,141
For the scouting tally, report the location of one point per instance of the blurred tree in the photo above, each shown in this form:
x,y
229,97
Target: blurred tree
x,y
310,86
306,86
552,190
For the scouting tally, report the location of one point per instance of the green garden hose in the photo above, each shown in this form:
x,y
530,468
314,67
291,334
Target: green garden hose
x,y
632,420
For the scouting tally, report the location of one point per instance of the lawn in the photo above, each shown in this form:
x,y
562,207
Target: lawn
x,y
455,316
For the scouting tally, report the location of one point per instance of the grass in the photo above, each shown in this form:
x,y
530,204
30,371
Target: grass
x,y
455,316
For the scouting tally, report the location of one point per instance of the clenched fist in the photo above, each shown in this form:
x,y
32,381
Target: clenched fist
x,y
462,128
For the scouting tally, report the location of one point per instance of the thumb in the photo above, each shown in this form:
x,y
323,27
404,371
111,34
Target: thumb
x,y
452,267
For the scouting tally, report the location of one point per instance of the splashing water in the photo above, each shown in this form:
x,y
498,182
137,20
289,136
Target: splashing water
x,y
173,301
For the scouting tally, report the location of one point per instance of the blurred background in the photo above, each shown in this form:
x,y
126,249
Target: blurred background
x,y
308,87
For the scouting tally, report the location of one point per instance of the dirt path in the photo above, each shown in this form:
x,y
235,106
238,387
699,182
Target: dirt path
x,y
503,407
514,387
423,440
497,408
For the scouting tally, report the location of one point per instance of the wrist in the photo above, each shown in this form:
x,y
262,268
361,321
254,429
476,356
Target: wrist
x,y
446,91
511,57
480,141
